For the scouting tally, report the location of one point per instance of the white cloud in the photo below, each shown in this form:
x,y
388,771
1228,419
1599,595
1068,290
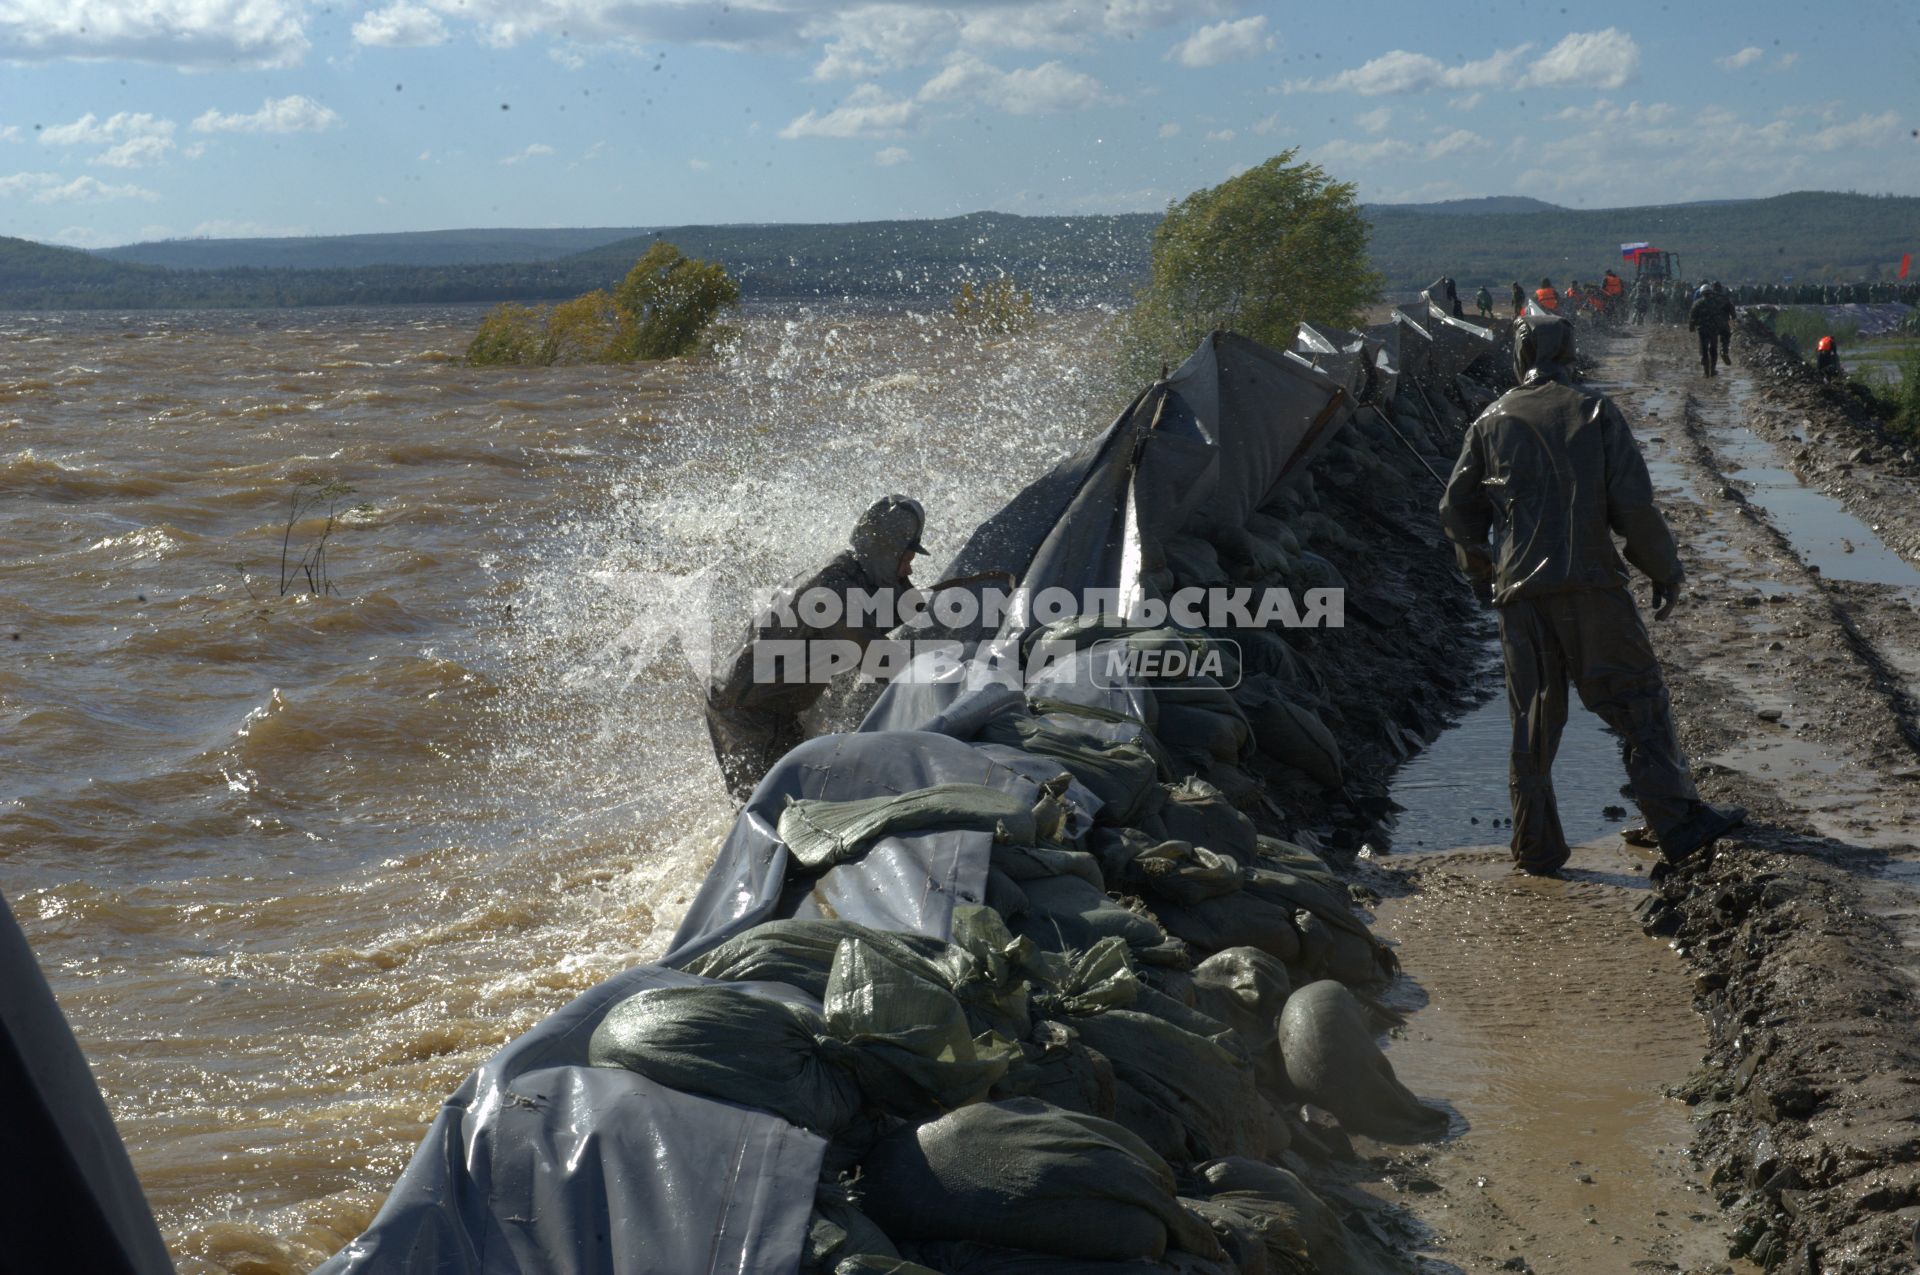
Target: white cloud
x,y
1745,57
699,165
868,111
194,151
400,26
11,133
1785,61
534,151
1867,131
872,39
1267,124
1035,90
1375,121
1221,135
1069,26
888,156
48,188
295,114
89,130
1169,130
1223,42
1592,59
1458,142
221,228
1466,103
194,34
135,152
1604,111
1340,151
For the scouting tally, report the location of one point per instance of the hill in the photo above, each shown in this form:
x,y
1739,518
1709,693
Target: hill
x,y
347,252
1809,235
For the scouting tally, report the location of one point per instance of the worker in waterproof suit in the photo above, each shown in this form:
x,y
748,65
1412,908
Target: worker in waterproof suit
x,y
753,719
1554,469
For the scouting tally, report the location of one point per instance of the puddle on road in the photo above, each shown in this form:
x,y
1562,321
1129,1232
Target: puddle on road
x,y
1456,788
1821,530
1553,1026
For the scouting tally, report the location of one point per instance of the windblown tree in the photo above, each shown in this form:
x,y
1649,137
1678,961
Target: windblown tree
x,y
664,308
1256,254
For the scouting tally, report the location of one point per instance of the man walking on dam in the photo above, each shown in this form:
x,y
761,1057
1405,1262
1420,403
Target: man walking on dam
x,y
1553,469
754,718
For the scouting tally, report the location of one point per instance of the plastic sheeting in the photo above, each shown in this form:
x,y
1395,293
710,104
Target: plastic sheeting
x,y
72,1201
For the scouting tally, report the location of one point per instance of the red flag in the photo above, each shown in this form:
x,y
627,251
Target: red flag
x,y
1906,259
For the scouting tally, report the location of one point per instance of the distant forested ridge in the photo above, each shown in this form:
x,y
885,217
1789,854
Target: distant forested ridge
x,y
1810,236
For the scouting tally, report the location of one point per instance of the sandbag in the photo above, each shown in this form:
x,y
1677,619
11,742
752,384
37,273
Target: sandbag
x,y
1057,1068
838,1232
1066,913
1290,732
1207,1088
1085,980
726,1043
953,1258
1197,811
798,953
1300,1232
1247,989
1199,721
1123,773
1022,1174
1235,920
1176,871
819,834
913,1052
1030,863
1327,1049
1195,564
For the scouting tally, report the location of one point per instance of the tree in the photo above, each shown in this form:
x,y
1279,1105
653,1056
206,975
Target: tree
x,y
509,334
1256,254
669,302
587,329
996,308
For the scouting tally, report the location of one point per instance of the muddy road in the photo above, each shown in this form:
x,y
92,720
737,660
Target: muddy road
x,y
1719,1071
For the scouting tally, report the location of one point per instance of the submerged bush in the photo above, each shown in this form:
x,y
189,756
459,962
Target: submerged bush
x,y
998,308
664,308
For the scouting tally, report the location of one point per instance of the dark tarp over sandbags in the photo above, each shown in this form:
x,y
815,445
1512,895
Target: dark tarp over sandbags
x,y
1066,913
1326,1045
820,834
1028,1176
1122,773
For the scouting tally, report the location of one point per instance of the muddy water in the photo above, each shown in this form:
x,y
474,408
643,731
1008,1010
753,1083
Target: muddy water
x,y
293,864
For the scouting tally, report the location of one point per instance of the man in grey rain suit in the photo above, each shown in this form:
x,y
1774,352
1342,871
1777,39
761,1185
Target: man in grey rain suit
x,y
1553,470
754,719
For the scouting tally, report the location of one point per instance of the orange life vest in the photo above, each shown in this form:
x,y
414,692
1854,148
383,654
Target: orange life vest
x,y
1611,285
1547,297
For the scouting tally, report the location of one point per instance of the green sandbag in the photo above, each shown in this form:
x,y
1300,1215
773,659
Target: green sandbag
x,y
953,1258
1058,1069
1246,989
1301,1233
725,1043
913,1052
1197,811
1022,1174
839,1231
1199,721
1134,862
869,1264
1122,774
1084,980
1207,1087
819,834
1028,863
1291,733
1066,913
798,953
1347,949
1244,919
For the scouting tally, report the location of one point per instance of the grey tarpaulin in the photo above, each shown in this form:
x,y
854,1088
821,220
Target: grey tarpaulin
x,y
72,1200
542,1163
539,1163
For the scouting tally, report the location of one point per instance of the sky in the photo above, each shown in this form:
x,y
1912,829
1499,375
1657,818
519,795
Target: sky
x,y
127,120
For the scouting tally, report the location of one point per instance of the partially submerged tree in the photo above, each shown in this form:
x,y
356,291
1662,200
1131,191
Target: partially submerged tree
x,y
670,301
664,308
997,308
1256,254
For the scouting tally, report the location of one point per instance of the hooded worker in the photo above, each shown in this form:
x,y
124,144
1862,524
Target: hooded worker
x,y
754,704
1552,468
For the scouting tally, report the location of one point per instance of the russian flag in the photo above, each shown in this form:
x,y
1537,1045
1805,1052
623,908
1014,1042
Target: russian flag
x,y
1628,249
